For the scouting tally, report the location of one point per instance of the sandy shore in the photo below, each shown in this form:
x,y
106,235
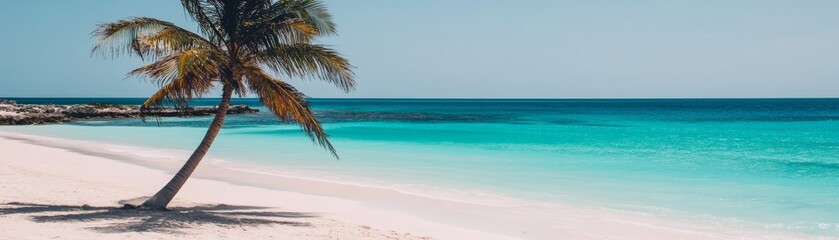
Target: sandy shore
x,y
67,189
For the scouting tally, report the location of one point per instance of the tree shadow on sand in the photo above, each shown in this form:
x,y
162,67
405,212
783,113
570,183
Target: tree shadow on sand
x,y
119,220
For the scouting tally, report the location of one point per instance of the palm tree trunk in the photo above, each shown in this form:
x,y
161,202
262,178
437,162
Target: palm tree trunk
x,y
162,198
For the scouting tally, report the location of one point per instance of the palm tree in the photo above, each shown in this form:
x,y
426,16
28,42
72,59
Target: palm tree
x,y
240,46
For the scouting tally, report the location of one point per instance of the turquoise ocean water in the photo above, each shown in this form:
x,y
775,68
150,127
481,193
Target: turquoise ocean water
x,y
766,163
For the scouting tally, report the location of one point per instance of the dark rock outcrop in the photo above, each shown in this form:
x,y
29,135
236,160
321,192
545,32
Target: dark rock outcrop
x,y
12,113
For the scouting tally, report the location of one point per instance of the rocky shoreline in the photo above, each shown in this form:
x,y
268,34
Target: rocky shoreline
x,y
12,113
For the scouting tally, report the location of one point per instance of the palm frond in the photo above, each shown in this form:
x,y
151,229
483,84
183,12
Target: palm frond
x,y
143,36
268,35
181,76
314,12
193,63
169,41
177,92
208,16
288,104
286,22
309,61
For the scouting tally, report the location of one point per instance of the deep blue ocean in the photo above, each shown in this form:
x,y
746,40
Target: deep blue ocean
x,y
769,163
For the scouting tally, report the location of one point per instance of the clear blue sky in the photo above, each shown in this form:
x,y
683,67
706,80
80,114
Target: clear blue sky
x,y
483,49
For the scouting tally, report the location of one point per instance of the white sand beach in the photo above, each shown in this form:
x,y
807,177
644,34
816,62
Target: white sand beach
x,y
66,189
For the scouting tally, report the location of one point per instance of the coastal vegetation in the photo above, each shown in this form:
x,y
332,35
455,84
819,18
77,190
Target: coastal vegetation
x,y
242,47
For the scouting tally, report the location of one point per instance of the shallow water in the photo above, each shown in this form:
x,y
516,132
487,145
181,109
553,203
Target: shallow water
x,y
766,163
